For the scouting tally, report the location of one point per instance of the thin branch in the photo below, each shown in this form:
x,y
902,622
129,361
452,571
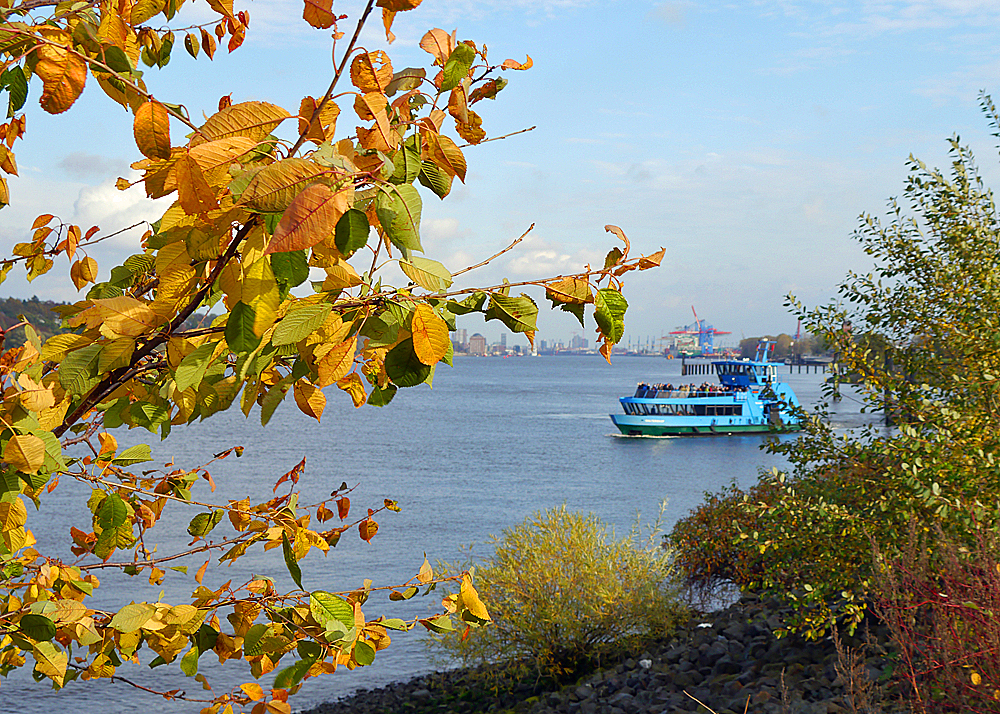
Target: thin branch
x,y
497,255
336,78
165,695
498,138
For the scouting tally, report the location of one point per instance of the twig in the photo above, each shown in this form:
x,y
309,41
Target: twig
x,y
494,257
336,78
165,695
498,138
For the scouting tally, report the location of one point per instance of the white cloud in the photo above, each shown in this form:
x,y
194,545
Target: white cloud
x,y
112,210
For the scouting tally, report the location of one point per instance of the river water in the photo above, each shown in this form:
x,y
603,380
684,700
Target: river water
x,y
494,441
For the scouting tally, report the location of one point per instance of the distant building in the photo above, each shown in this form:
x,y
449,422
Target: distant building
x,y
460,339
477,345
578,343
503,341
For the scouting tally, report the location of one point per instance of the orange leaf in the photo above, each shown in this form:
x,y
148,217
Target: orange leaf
x,y
398,5
513,64
63,76
42,220
317,13
200,575
438,43
651,261
152,130
353,385
310,400
343,507
83,271
446,154
371,71
387,17
336,363
195,195
311,217
253,690
367,529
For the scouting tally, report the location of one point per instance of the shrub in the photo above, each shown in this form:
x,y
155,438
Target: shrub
x,y
565,593
942,607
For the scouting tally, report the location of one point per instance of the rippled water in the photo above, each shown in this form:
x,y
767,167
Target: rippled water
x,y
492,442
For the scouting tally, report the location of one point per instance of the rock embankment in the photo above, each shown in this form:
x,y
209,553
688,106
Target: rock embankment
x,y
730,661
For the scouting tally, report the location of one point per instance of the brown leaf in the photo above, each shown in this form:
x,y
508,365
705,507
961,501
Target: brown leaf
x,y
472,131
311,217
317,13
398,5
367,529
343,507
652,261
317,127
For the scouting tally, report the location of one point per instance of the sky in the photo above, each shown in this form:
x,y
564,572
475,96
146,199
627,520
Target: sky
x,y
746,138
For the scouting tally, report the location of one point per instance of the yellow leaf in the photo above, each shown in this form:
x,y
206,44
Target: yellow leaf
x,y
193,191
260,291
83,271
371,71
430,335
215,157
63,75
25,452
13,515
151,128
311,218
317,13
339,276
336,363
976,679
469,599
273,189
121,316
514,64
223,7
353,385
35,397
58,346
311,400
50,661
254,120
426,573
253,690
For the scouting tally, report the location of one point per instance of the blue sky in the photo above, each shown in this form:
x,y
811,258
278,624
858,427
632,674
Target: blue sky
x,y
744,137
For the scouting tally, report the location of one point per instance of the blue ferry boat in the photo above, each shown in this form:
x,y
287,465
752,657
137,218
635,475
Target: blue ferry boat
x,y
748,399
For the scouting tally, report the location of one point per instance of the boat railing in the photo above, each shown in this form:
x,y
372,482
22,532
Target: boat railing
x,y
650,393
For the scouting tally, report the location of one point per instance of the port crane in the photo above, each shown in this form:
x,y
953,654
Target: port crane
x,y
703,331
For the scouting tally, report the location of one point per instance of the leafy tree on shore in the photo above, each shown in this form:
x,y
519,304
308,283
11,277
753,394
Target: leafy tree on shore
x,y
921,331
263,195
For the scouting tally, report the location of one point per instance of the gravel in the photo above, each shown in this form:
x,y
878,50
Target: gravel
x,y
729,660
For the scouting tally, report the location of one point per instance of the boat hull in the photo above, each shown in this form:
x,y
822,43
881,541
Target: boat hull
x,y
639,426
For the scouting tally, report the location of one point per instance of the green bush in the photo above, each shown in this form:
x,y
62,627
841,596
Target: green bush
x,y
564,594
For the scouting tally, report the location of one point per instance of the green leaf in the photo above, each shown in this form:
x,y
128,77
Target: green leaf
x,y
609,312
434,178
202,524
398,211
473,303
17,86
428,274
239,329
131,617
290,269
406,165
457,67
394,623
404,367
439,624
78,370
326,607
405,79
293,674
205,637
380,397
189,662
364,653
290,562
138,454
351,233
517,313
116,59
299,324
112,513
37,627
192,368
252,640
